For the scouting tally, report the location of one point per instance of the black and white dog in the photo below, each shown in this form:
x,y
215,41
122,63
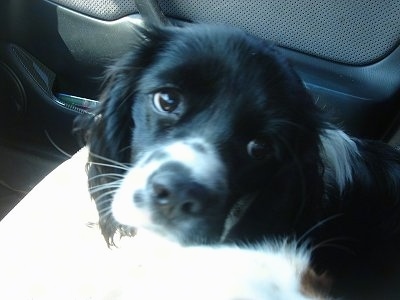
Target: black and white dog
x,y
206,135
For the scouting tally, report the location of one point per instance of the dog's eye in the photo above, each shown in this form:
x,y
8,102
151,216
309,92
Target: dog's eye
x,y
257,149
167,101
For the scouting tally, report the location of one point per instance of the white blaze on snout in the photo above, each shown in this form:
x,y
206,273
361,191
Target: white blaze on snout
x,y
195,154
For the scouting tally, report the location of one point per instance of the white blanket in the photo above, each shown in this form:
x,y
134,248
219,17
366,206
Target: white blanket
x,y
51,248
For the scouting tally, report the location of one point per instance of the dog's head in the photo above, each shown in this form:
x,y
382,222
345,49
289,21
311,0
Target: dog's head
x,y
194,124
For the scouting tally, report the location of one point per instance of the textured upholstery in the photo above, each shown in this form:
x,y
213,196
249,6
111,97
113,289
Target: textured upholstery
x,y
352,32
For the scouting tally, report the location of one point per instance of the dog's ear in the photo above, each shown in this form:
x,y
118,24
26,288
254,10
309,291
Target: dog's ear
x,y
295,121
112,124
108,130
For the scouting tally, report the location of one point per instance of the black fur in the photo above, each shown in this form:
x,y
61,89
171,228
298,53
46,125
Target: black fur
x,y
236,89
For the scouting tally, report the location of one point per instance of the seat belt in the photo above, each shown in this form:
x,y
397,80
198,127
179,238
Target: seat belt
x,y
151,12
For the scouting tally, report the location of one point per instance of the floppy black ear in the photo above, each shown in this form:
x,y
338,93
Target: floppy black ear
x,y
108,131
295,121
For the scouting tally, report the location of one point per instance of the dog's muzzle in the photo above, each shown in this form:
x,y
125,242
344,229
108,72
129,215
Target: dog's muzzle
x,y
173,191
177,189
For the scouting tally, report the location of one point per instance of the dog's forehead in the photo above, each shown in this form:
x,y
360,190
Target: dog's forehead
x,y
208,62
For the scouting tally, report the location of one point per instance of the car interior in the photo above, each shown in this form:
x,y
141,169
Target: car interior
x,y
53,54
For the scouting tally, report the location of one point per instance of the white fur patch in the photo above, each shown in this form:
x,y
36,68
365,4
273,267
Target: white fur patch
x,y
203,163
170,271
339,154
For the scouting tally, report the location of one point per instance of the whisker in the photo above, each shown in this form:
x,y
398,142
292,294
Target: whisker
x,y
105,212
319,224
55,145
104,195
126,148
110,184
112,161
328,243
125,168
103,187
9,187
111,175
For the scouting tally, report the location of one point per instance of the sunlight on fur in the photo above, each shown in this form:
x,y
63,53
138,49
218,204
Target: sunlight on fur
x,y
163,269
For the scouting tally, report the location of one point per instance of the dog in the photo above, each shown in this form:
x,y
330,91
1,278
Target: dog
x,y
206,135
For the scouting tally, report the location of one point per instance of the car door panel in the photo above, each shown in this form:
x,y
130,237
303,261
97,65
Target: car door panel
x,y
62,52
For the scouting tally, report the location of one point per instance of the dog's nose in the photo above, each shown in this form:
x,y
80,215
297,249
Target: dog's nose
x,y
174,194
